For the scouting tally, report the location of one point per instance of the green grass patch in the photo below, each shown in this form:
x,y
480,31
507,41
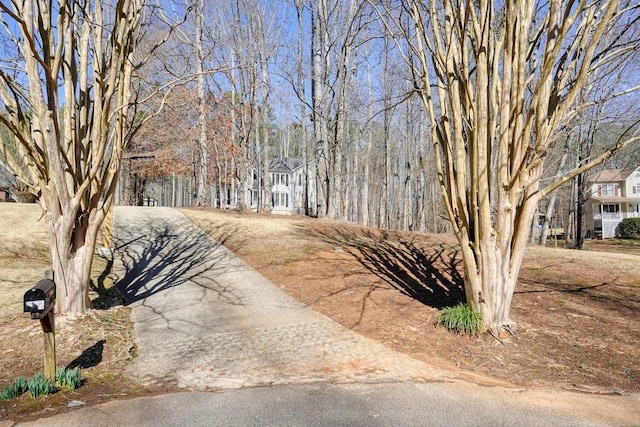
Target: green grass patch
x,y
461,318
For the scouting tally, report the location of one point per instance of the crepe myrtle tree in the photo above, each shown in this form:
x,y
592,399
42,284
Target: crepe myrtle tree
x,y
66,98
498,79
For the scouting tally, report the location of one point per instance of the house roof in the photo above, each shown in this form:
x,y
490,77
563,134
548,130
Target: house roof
x,y
612,175
285,164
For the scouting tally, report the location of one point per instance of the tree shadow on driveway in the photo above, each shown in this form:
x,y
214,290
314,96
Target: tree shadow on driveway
x,y
424,272
155,255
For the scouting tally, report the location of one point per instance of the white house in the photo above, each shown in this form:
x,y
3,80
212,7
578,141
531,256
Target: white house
x,y
614,195
289,188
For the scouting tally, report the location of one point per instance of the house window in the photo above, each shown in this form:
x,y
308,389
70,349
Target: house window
x,y
280,179
608,190
610,208
281,200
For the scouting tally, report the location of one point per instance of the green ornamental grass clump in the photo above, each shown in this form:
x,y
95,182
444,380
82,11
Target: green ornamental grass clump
x,y
461,318
15,389
39,385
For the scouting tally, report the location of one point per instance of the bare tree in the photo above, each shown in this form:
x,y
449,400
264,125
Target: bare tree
x,y
299,88
336,33
497,80
203,158
249,35
551,204
66,98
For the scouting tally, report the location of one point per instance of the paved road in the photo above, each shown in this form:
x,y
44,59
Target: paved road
x,y
206,321
322,404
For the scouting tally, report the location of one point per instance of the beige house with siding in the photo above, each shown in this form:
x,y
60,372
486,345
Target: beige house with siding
x,y
613,196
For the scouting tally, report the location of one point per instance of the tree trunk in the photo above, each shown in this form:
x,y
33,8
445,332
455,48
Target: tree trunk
x,y
492,264
321,149
202,149
552,199
579,213
366,166
72,244
301,91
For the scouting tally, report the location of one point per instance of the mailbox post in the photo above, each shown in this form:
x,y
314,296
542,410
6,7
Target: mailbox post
x,y
39,301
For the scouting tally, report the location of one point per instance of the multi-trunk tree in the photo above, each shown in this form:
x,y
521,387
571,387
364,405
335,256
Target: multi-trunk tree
x,y
66,97
497,80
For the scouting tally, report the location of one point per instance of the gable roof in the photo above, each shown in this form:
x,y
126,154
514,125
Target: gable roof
x,y
612,175
285,164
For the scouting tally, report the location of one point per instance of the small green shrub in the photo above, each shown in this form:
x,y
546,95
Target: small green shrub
x,y
629,228
15,389
39,385
461,318
68,378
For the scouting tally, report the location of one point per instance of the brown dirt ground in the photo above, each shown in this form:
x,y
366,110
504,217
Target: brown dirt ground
x,y
578,312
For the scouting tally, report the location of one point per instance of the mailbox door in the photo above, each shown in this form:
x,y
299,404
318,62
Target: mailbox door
x,y
35,300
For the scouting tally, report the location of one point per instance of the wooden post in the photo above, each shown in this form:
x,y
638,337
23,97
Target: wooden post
x,y
47,321
49,328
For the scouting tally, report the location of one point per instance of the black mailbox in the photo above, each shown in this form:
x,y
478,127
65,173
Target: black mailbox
x,y
40,298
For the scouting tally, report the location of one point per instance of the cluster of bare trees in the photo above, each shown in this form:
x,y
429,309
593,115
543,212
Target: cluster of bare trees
x,y
408,112
317,80
446,115
368,132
